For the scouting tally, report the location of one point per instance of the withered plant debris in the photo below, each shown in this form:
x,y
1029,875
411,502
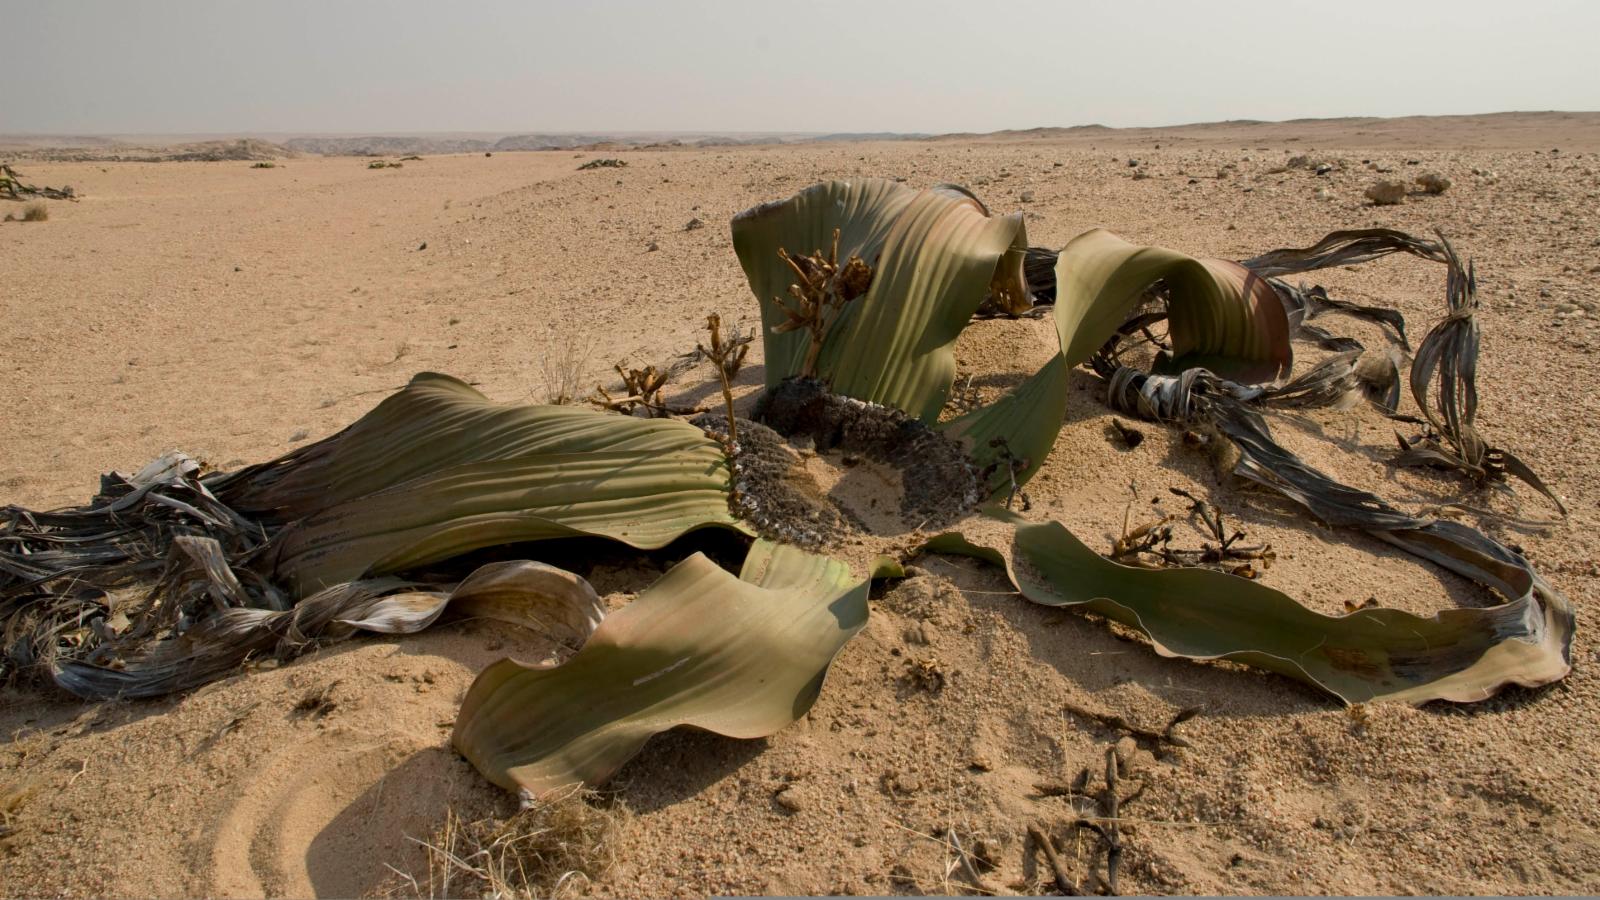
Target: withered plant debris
x,y
1196,397
554,846
1099,813
642,389
69,577
1058,868
12,187
823,289
771,491
1155,741
727,357
939,481
1131,437
1226,551
970,862
604,164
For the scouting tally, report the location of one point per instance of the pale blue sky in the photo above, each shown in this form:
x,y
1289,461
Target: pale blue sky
x,y
176,66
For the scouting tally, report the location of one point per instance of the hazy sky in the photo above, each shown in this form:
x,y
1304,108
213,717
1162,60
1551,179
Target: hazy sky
x,y
175,66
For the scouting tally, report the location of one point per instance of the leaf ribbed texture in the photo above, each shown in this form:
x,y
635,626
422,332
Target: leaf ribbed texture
x,y
1372,654
934,255
742,657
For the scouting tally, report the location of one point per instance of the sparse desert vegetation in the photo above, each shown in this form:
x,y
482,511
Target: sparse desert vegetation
x,y
557,846
960,730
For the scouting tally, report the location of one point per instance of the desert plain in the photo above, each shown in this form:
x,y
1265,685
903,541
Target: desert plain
x,y
237,313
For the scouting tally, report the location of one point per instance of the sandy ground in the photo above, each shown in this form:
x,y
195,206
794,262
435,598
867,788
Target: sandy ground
x,y
237,313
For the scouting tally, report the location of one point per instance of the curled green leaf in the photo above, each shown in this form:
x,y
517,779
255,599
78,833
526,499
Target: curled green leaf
x,y
742,657
1371,654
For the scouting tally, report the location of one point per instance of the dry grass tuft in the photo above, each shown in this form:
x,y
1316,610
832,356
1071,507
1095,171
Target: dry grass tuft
x,y
562,373
12,799
35,212
553,848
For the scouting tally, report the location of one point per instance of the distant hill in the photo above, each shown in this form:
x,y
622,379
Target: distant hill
x,y
1570,131
377,145
1501,131
857,136
104,150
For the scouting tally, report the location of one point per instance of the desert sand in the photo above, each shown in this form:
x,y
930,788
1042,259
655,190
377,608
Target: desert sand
x,y
237,313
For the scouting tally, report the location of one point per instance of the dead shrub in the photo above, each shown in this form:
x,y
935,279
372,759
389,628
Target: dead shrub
x,y
552,848
562,373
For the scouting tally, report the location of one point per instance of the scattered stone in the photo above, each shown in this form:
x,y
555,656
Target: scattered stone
x,y
1125,750
1026,197
1324,168
299,435
1298,162
694,224
1387,193
1324,194
1133,164
603,164
790,799
1433,182
652,247
1140,175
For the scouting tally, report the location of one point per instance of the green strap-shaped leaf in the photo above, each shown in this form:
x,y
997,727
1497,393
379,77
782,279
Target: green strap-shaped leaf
x,y
742,657
935,254
1373,654
437,470
436,422
642,498
1220,316
1217,310
863,209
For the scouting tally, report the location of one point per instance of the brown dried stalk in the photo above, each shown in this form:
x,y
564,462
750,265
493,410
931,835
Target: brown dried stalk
x,y
819,296
1154,539
642,389
727,357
